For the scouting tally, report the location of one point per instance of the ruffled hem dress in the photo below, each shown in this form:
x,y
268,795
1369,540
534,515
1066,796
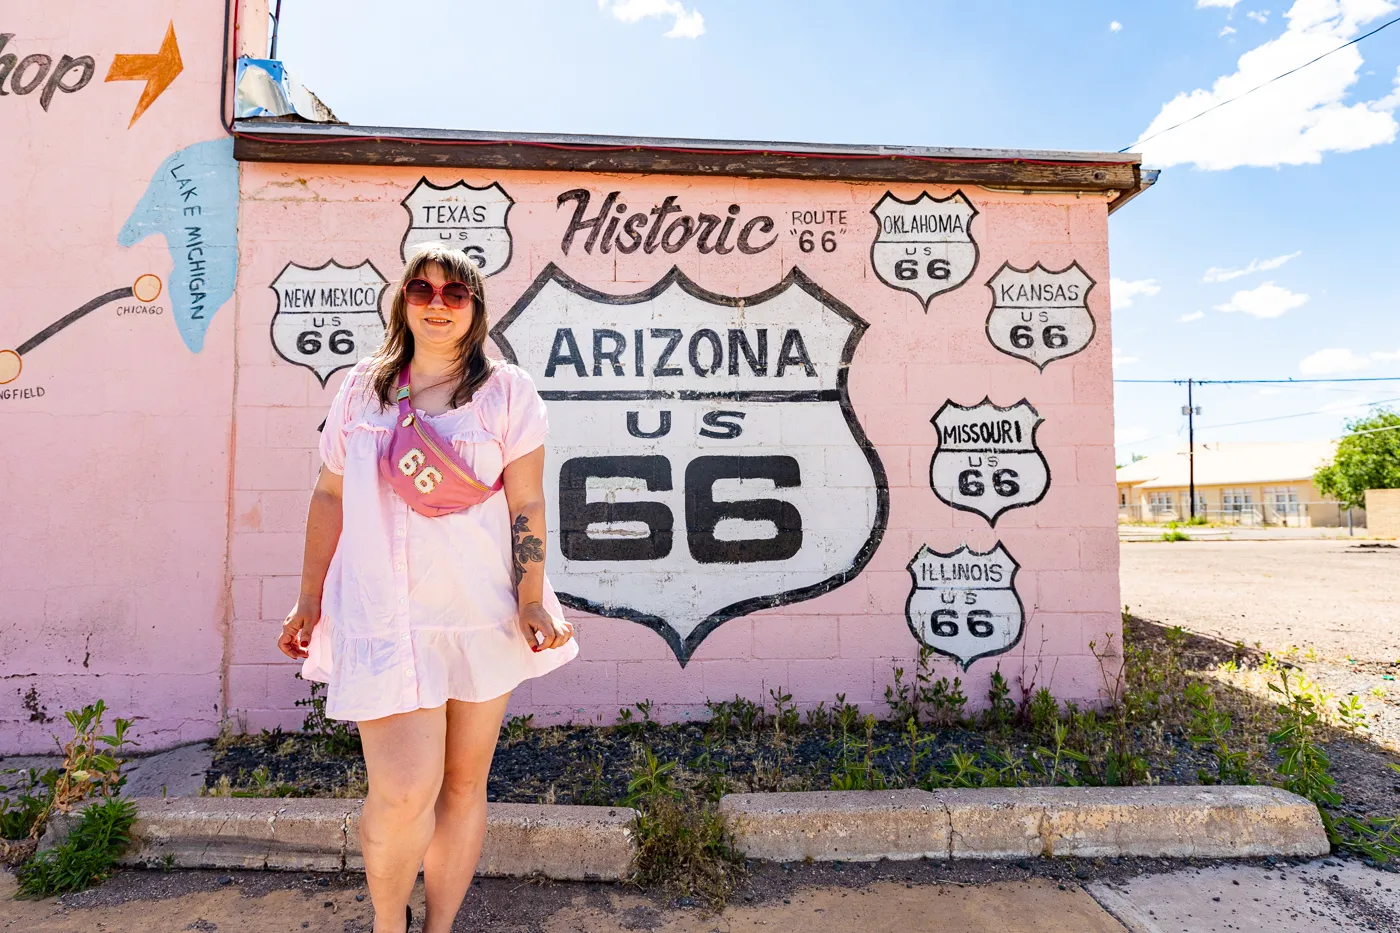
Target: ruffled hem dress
x,y
420,610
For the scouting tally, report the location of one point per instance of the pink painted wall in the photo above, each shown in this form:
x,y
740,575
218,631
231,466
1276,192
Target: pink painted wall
x,y
907,365
116,429
158,452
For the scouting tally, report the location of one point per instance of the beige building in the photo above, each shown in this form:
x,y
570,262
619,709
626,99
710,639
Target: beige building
x,y
1243,483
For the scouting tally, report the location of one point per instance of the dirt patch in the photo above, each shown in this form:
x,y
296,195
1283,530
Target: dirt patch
x,y
1034,895
1328,610
1340,599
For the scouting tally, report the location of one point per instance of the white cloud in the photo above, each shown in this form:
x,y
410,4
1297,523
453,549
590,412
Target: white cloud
x,y
1390,102
688,24
1227,31
1218,274
1115,26
1224,4
1121,360
1266,301
1293,121
1332,360
1193,316
1121,292
1259,16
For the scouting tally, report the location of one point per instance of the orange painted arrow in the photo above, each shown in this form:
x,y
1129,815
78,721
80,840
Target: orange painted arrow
x,y
156,70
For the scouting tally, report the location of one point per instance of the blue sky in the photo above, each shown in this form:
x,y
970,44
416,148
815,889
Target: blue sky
x,y
1269,249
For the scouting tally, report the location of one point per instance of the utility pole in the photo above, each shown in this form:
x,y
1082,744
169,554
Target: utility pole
x,y
1191,411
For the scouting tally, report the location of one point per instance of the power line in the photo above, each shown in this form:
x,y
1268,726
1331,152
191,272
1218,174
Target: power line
x,y
1265,84
1227,382
1302,414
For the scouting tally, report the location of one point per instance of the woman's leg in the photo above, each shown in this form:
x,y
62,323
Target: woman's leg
x,y
450,862
404,762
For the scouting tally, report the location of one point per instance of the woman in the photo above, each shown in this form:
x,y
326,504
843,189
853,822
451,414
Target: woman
x,y
422,625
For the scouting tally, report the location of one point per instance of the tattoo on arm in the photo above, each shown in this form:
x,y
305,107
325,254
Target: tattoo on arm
x,y
525,547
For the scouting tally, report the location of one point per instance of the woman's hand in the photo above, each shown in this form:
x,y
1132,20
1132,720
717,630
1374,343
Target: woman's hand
x,y
296,631
543,631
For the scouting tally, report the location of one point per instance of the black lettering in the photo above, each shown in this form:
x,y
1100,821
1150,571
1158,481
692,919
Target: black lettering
x,y
722,244
38,58
660,212
630,229
706,225
634,426
716,352
764,224
85,65
610,230
794,353
739,343
638,358
619,344
673,336
7,61
717,426
577,223
563,337
686,226
703,514
576,513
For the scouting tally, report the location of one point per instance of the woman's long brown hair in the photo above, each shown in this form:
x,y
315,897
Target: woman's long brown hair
x,y
473,368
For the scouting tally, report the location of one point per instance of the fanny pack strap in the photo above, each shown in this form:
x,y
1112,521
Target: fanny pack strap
x,y
404,407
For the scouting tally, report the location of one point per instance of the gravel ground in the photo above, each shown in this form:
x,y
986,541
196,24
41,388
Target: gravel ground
x,y
1340,598
1329,608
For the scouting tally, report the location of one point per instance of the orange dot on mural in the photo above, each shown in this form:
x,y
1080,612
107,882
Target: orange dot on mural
x,y
10,366
146,288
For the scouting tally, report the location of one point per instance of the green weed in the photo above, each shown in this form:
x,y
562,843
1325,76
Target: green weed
x,y
87,856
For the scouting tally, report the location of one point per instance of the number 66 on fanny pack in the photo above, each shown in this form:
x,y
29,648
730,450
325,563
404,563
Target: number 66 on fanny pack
x,y
424,469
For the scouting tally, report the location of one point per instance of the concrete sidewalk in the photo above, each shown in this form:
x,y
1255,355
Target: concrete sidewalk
x,y
1044,896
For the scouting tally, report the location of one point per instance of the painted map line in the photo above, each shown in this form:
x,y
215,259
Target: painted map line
x,y
692,395
74,316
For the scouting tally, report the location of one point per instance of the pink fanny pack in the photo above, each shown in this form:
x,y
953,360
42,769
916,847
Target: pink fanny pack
x,y
424,469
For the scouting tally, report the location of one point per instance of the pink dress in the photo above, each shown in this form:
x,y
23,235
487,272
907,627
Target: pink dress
x,y
417,611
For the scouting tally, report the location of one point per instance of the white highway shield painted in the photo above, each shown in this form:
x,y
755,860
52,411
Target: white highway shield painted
x,y
964,604
470,219
328,317
987,460
703,459
1039,315
924,246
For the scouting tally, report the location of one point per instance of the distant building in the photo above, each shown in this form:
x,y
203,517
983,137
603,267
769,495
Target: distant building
x,y
1244,483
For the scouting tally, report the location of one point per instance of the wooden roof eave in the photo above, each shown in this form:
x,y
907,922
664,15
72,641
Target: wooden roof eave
x,y
1116,175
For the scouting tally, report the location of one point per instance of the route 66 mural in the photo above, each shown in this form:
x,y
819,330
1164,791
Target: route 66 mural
x,y
327,317
1040,315
704,456
964,605
471,219
987,459
924,246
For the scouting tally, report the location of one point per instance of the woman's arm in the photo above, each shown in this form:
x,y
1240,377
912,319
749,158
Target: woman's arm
x,y
524,482
323,522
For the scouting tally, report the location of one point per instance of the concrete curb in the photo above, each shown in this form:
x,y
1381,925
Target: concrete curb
x,y
309,834
1161,822
596,843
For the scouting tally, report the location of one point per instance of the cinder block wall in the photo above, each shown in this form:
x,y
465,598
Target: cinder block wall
x,y
909,362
